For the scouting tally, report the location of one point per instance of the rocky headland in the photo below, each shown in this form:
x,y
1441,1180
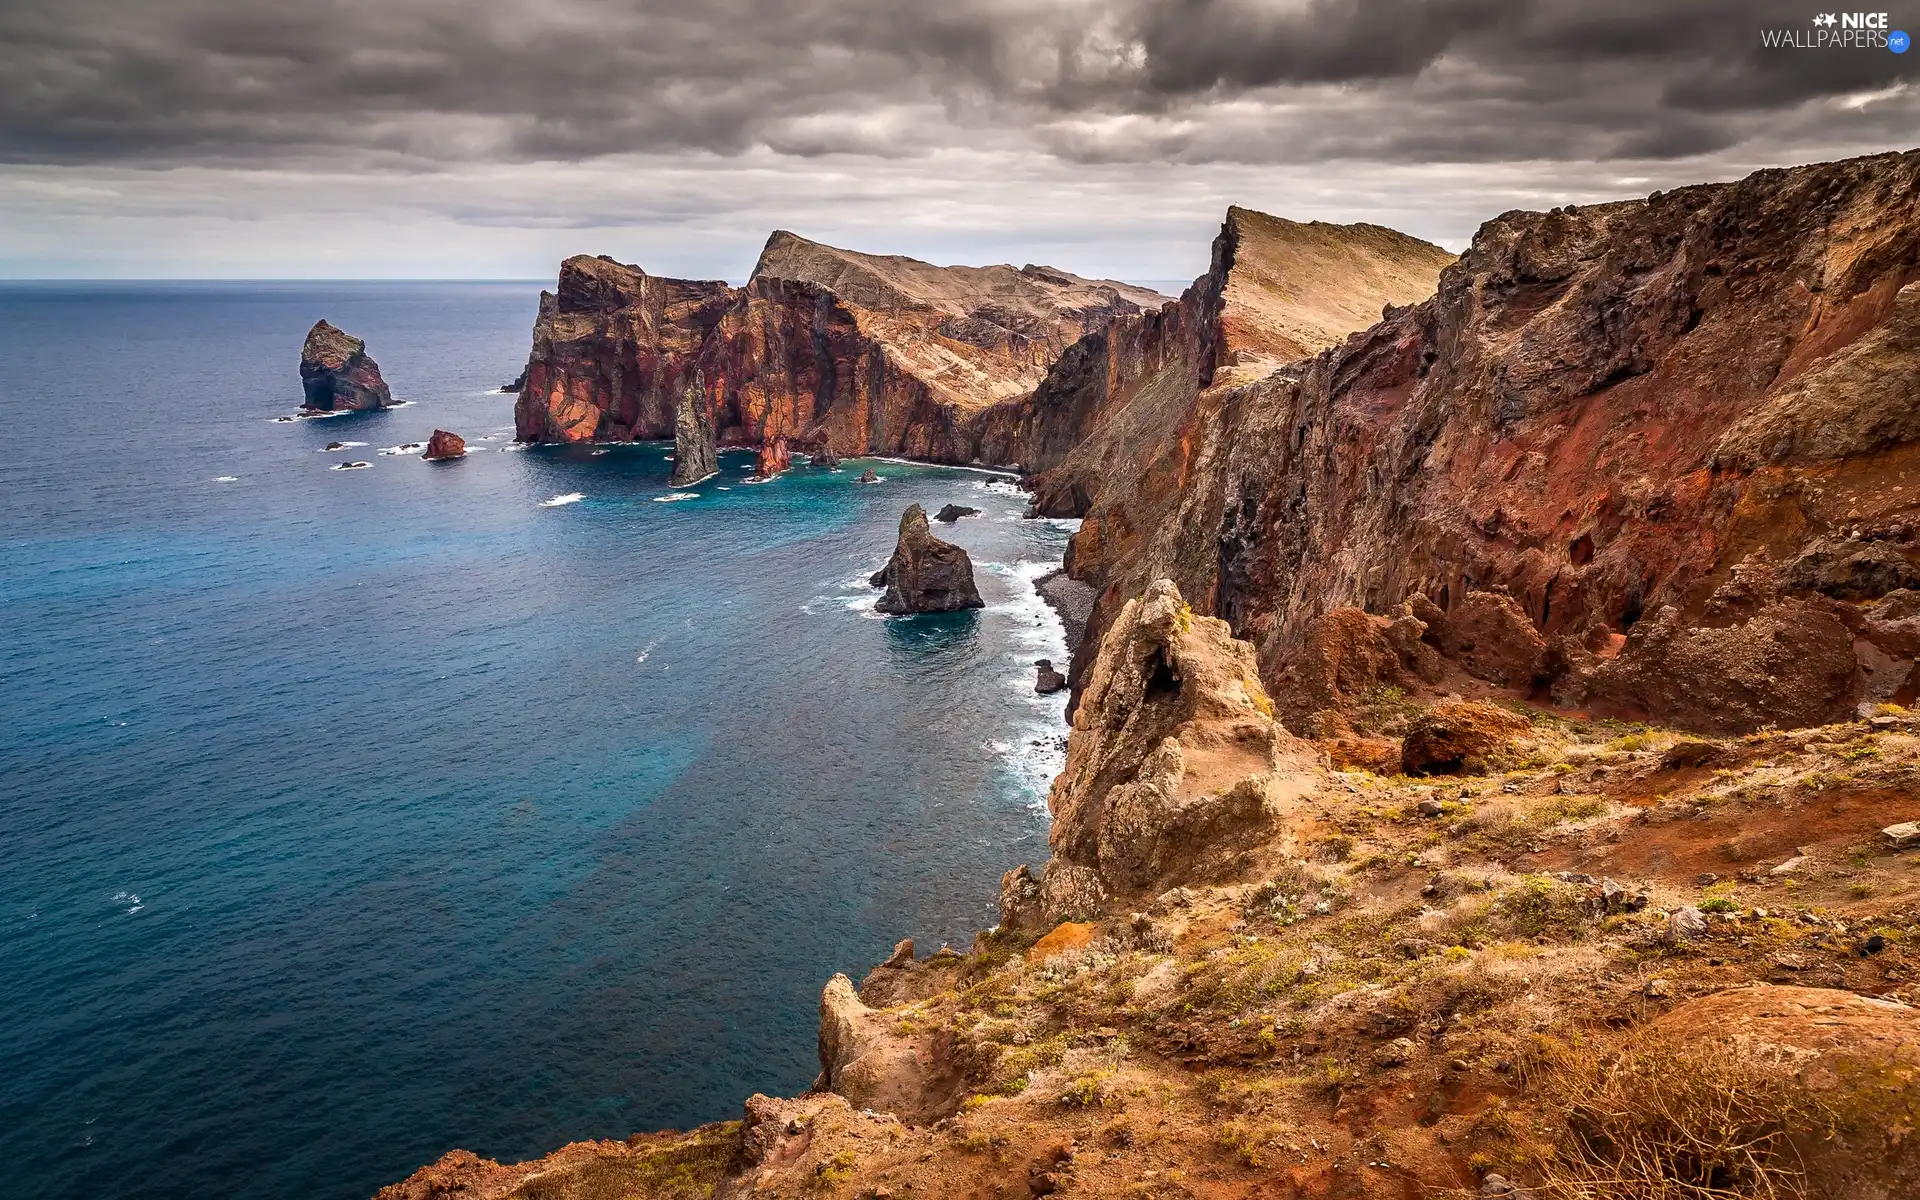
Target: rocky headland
x,y
1491,770
925,574
336,375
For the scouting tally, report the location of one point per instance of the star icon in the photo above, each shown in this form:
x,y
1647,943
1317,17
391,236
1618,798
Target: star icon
x,y
1827,19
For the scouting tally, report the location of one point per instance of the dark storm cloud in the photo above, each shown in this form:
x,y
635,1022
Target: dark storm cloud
x,y
426,82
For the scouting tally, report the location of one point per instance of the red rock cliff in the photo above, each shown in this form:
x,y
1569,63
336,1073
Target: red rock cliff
x,y
1691,418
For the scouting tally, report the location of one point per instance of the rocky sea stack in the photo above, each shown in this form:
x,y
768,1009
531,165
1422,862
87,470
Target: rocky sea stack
x,y
444,445
925,574
337,375
773,458
949,513
694,457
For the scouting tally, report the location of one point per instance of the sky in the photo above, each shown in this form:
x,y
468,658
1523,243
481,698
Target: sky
x,y
491,138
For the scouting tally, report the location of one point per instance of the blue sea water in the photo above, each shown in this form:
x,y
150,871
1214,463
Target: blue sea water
x,y
347,817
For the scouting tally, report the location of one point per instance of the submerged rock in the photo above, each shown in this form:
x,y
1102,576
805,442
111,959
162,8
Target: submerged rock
x,y
953,512
444,445
694,456
336,373
925,574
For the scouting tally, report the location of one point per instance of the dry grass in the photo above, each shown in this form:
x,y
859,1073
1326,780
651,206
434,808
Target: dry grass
x,y
1712,1123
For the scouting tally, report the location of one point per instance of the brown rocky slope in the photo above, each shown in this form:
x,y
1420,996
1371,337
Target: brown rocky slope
x,y
1678,437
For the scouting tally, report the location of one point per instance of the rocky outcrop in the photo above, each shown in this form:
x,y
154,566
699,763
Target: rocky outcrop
x,y
336,375
1176,770
868,1059
1046,680
1459,737
949,513
444,445
772,458
694,455
1697,402
925,574
867,476
822,456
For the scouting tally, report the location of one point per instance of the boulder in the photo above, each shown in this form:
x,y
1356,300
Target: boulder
x,y
1459,737
1491,637
867,476
445,445
694,456
336,373
953,512
1047,679
1349,653
925,574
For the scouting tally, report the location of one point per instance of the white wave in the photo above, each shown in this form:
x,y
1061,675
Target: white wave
x,y
321,415
510,448
226,479
722,488
642,656
349,466
670,497
282,420
403,448
400,404
566,498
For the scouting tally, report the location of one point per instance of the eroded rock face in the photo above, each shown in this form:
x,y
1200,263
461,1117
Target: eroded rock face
x,y
337,375
1703,401
867,1059
851,353
1458,738
925,574
1175,767
444,445
694,455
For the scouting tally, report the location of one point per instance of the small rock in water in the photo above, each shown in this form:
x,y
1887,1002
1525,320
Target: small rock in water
x,y
444,445
953,512
867,476
1048,680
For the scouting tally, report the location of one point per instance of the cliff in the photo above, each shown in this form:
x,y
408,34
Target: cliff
x,y
1675,432
851,352
854,354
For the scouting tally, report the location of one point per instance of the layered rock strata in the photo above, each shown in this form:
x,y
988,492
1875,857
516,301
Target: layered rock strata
x,y
336,375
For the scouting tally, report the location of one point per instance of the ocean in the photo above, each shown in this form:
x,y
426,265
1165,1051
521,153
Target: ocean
x,y
351,816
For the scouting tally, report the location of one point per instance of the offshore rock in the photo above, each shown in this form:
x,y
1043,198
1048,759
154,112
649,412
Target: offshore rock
x,y
925,574
822,456
1047,680
1176,769
772,458
867,476
694,455
336,374
444,445
950,513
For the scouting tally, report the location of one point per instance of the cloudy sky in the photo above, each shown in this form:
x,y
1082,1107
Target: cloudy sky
x,y
489,138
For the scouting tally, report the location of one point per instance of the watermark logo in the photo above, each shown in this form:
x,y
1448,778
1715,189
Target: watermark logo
x,y
1840,31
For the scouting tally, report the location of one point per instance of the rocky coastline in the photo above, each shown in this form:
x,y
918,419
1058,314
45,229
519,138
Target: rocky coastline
x,y
1490,739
